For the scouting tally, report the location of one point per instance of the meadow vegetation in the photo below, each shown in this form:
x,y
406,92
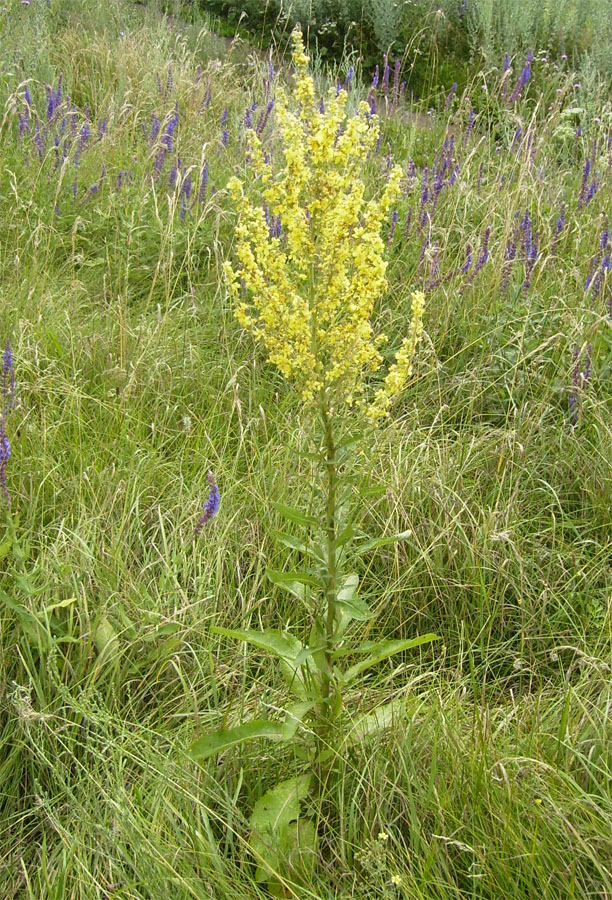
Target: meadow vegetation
x,y
120,129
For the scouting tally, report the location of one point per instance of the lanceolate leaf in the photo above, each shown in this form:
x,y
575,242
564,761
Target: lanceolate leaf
x,y
369,724
295,515
352,607
381,542
222,740
278,643
379,650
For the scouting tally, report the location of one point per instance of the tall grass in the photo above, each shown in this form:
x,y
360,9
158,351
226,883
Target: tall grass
x,y
134,381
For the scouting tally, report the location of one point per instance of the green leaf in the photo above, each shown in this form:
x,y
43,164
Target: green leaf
x,y
380,650
170,628
345,536
301,845
289,540
381,542
270,820
294,582
61,604
293,678
5,548
294,718
295,515
30,624
279,643
352,607
222,740
378,719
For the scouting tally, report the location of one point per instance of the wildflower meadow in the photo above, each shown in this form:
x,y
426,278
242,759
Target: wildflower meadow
x,y
305,458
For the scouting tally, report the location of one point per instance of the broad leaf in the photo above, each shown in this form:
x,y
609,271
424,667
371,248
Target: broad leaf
x,y
380,650
222,740
381,542
278,643
270,821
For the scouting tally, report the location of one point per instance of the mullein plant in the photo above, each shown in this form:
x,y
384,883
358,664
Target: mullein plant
x,y
306,290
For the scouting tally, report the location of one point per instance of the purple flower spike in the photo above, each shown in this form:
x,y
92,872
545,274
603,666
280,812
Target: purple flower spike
x,y
394,216
211,506
8,403
203,183
451,94
8,379
376,78
467,265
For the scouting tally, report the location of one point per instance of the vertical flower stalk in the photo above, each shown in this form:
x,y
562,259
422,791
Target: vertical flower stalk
x,y
307,291
8,403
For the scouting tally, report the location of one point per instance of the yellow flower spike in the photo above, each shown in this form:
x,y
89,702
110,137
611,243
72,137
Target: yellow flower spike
x,y
313,265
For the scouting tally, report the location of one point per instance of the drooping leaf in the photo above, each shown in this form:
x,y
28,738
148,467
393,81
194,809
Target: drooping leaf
x,y
295,716
371,723
295,515
352,606
381,542
279,643
226,738
379,650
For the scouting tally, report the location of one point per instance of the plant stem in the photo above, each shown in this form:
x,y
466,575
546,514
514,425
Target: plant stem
x,y
329,706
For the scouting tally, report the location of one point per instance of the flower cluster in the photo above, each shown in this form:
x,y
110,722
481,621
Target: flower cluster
x,y
211,507
307,290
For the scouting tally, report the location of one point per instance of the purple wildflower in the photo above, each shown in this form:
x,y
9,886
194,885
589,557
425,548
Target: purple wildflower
x,y
262,121
376,78
155,126
169,131
468,260
386,71
172,176
203,183
396,72
408,224
450,96
27,95
575,382
470,124
211,506
394,216
522,79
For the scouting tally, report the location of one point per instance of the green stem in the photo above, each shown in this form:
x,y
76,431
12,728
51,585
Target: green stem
x,y
329,706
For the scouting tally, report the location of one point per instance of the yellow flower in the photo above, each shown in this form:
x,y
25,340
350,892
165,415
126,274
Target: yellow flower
x,y
309,295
